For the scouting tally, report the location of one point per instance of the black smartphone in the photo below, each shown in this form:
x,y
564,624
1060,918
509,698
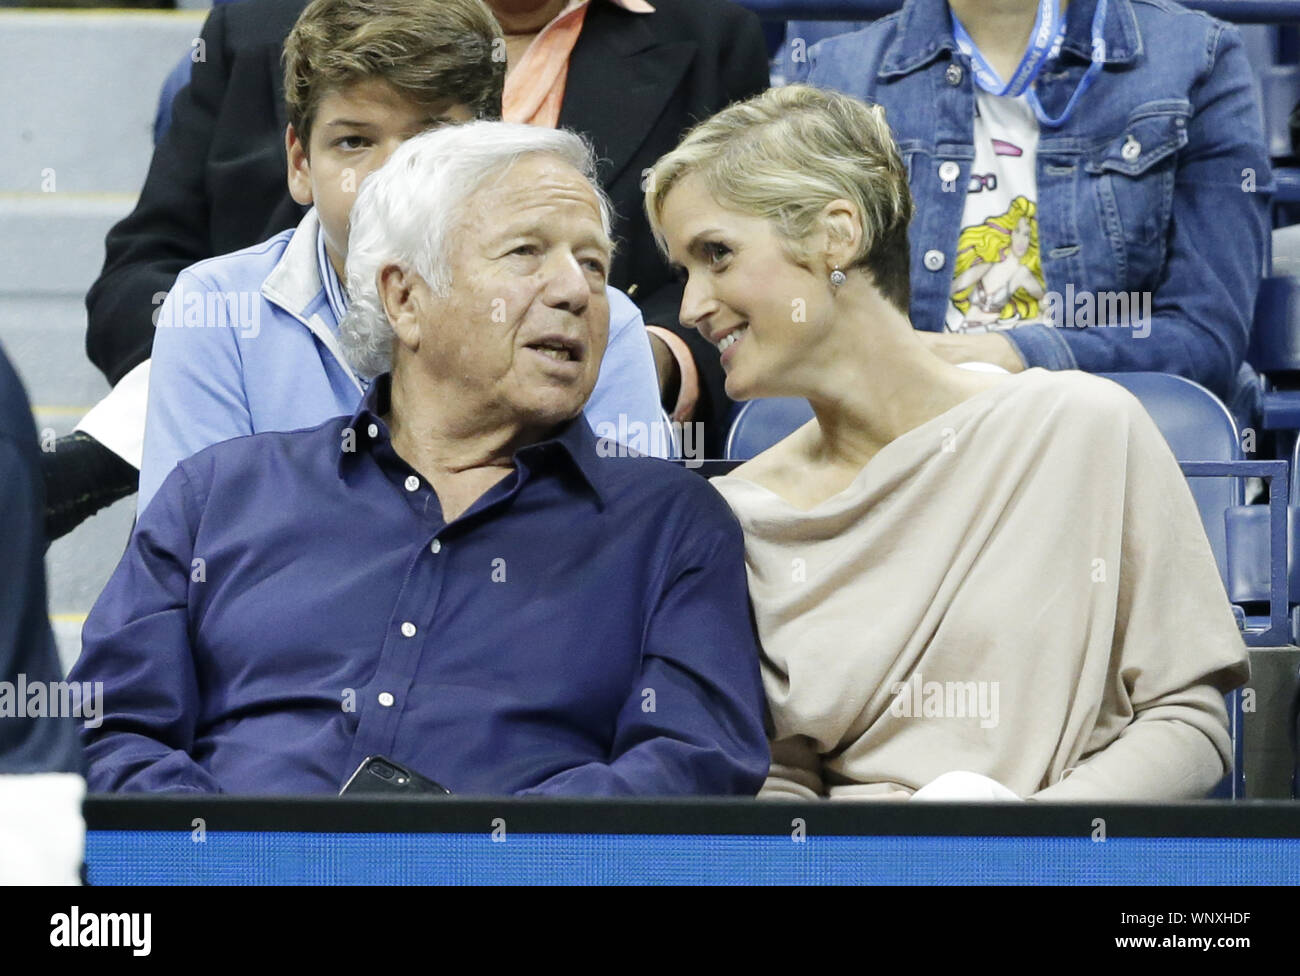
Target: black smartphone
x,y
377,774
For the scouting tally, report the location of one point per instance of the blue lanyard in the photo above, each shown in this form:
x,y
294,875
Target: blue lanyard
x,y
1044,44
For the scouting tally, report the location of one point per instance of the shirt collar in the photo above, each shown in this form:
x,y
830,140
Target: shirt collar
x,y
334,292
925,30
295,282
574,440
1120,32
631,6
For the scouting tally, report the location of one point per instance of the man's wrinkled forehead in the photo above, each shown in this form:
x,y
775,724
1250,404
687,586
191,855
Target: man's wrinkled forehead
x,y
533,192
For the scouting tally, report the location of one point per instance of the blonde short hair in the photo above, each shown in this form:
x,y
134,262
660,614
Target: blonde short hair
x,y
783,155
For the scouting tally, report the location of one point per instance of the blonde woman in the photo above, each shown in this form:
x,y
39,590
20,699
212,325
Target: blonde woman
x,y
951,572
999,278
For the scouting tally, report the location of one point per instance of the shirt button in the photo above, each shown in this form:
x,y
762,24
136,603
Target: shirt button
x,y
1131,150
386,699
408,629
372,430
933,260
953,75
412,482
435,546
949,171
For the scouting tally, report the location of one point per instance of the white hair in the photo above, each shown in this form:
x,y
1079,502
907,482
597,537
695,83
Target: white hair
x,y
406,210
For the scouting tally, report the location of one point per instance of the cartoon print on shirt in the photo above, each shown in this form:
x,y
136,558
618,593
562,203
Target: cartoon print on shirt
x,y
998,278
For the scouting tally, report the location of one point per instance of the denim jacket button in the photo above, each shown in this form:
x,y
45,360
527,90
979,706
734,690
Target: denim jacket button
x,y
953,75
949,171
933,260
1131,149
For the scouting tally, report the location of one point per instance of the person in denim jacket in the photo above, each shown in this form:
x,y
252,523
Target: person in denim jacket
x,y
1154,188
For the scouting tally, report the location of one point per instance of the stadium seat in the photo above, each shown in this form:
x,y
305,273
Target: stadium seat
x,y
1198,427
1275,351
761,423
1248,548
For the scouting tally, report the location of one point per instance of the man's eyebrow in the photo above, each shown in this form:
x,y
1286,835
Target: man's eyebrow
x,y
601,242
350,123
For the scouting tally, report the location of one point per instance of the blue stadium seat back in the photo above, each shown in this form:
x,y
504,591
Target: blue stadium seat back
x,y
1197,427
1249,549
1275,338
1279,91
1233,786
761,423
177,79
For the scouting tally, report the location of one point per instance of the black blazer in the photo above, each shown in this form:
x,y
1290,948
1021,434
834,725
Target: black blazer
x,y
217,181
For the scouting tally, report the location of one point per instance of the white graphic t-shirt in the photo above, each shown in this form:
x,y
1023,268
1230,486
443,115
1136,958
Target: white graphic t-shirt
x,y
997,276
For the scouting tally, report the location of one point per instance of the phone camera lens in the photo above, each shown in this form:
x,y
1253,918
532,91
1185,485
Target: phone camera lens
x,y
384,770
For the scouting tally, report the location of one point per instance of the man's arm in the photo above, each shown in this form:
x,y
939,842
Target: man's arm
x,y
137,642
1201,311
27,744
169,228
693,721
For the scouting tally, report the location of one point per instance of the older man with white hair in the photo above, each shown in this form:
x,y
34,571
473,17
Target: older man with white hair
x,y
457,577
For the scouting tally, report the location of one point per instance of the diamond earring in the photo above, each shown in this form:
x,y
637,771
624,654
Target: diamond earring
x,y
838,278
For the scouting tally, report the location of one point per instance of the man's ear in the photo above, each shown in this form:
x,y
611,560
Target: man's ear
x,y
842,222
402,292
299,167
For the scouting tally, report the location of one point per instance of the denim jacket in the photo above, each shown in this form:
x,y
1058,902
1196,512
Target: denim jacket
x,y
1158,185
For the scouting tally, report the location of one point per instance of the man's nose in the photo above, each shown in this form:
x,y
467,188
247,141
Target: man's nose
x,y
566,284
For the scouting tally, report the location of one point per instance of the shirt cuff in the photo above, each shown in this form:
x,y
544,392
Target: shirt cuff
x,y
688,389
117,421
1042,345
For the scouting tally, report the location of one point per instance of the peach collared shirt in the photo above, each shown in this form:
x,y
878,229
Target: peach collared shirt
x,y
535,86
